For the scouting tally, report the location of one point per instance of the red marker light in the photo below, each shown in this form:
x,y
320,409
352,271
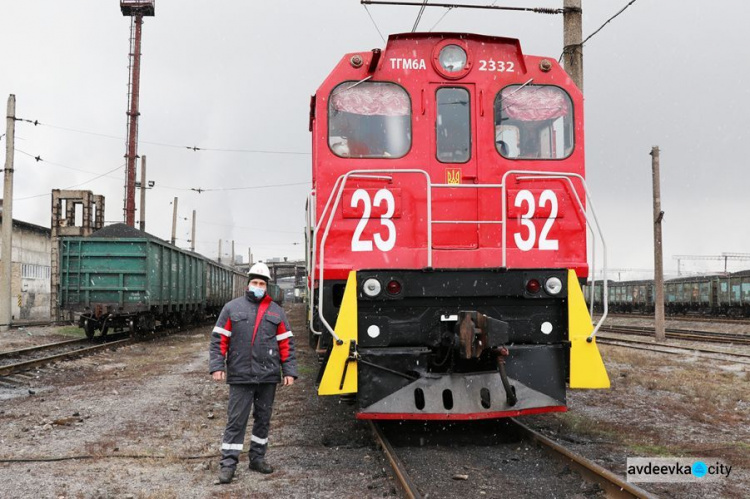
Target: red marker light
x,y
393,287
533,286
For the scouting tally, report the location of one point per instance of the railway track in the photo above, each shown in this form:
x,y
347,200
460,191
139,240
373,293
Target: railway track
x,y
687,318
739,357
504,459
37,323
15,361
681,334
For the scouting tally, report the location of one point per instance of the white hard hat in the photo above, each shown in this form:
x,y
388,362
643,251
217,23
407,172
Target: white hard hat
x,y
260,269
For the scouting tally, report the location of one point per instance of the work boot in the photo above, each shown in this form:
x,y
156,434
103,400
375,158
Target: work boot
x,y
226,474
261,466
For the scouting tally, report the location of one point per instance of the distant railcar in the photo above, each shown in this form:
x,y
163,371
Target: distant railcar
x,y
632,296
717,294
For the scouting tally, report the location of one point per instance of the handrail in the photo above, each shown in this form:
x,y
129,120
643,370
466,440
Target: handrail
x,y
567,177
310,258
341,184
327,216
314,238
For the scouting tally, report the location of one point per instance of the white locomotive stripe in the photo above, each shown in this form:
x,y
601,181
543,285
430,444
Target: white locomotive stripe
x,y
223,331
283,336
258,440
231,447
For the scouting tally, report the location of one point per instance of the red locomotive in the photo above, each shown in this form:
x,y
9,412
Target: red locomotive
x,y
447,231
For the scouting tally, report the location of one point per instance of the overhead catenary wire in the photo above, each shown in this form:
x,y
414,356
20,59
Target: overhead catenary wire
x,y
193,148
537,10
374,23
250,187
608,21
38,159
441,18
567,49
419,16
72,186
447,11
249,228
201,190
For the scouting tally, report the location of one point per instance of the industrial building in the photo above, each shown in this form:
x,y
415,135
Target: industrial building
x,y
30,274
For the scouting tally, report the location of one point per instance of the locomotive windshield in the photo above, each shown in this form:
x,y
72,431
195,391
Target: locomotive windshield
x,y
533,122
369,120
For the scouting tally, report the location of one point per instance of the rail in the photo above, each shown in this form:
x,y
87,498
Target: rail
x,y
611,484
329,211
8,369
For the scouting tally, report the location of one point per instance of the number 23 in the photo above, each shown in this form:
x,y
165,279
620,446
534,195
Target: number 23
x,y
387,244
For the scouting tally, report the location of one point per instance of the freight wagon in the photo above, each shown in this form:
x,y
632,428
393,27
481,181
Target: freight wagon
x,y
120,278
718,294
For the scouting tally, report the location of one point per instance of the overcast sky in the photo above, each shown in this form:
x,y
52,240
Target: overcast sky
x,y
235,74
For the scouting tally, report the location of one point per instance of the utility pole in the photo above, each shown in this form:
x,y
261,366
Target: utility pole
x,y
7,231
232,262
192,236
572,41
174,222
219,250
143,193
658,260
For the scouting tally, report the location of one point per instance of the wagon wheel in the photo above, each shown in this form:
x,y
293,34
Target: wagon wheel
x,y
105,330
90,328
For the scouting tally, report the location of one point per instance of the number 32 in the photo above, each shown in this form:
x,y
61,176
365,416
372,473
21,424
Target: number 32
x,y
547,196
387,244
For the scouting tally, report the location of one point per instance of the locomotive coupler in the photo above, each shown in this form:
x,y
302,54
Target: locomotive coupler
x,y
478,332
510,390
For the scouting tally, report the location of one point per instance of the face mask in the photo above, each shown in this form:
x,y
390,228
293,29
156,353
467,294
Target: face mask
x,y
258,292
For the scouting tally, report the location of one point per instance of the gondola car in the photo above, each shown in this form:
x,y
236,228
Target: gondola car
x,y
120,278
712,294
447,231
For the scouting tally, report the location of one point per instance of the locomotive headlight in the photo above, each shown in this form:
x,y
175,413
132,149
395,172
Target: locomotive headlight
x,y
452,58
553,286
372,287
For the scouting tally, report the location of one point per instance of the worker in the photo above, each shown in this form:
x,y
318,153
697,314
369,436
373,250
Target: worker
x,y
253,350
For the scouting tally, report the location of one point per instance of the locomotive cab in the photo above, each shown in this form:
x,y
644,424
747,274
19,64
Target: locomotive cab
x,y
447,231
